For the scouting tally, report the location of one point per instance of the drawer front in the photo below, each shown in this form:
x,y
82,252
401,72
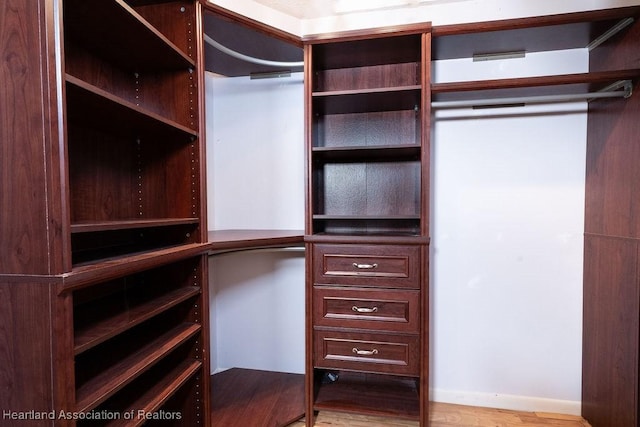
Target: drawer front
x,y
389,266
380,353
387,310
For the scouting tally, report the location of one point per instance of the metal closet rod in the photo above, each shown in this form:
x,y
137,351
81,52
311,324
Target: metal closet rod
x,y
608,92
248,58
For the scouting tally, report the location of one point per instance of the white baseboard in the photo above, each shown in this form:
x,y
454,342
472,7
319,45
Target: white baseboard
x,y
507,401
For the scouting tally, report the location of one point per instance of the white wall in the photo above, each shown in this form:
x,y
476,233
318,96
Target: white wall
x,y
508,200
255,152
257,310
255,171
508,192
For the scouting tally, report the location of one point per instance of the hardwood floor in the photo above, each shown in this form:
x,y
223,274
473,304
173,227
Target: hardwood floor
x,y
447,415
252,398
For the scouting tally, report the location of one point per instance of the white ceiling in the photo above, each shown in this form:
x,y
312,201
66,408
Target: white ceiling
x,y
311,9
301,9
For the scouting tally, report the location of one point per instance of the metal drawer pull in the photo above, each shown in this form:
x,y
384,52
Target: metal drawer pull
x,y
364,309
364,266
365,352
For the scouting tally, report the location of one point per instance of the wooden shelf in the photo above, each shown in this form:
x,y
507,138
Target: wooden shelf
x,y
537,34
370,394
90,335
156,396
105,231
397,239
529,86
366,217
133,44
93,226
89,105
111,380
107,269
235,240
360,49
408,152
367,100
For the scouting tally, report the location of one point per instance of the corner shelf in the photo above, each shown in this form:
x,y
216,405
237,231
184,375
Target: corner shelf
x,y
235,240
250,397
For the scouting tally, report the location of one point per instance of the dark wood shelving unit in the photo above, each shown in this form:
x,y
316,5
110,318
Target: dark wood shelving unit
x,y
109,164
105,150
367,221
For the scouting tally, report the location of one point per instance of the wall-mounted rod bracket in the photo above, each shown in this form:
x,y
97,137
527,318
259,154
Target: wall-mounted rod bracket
x,y
610,33
625,85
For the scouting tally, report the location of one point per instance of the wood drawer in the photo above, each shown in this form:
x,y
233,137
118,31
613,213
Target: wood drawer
x,y
388,310
367,352
389,266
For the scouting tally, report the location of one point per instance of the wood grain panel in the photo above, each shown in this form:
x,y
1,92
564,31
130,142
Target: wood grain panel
x,y
243,398
610,332
378,76
613,147
386,128
30,143
370,189
26,349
